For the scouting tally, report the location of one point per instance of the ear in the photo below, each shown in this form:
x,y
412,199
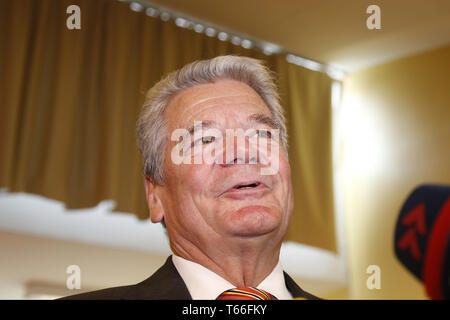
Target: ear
x,y
153,201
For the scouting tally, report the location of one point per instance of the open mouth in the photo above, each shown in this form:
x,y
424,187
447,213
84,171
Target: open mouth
x,y
247,186
245,189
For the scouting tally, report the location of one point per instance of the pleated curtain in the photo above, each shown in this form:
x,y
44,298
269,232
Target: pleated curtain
x,y
69,101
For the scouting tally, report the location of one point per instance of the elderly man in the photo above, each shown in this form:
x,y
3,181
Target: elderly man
x,y
225,217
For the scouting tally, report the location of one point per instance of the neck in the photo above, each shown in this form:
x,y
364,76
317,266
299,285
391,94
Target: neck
x,y
244,262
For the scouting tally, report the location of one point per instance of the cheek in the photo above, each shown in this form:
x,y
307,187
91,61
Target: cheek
x,y
185,195
284,168
190,180
195,174
285,178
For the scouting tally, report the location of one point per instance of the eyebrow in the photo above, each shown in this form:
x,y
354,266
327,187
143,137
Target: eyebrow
x,y
203,124
263,119
256,117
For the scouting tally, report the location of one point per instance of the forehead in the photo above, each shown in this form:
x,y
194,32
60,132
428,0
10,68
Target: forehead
x,y
225,98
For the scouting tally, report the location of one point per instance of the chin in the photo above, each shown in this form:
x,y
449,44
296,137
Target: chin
x,y
253,221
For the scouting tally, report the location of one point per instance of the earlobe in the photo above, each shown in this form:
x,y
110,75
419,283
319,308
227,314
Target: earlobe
x,y
153,201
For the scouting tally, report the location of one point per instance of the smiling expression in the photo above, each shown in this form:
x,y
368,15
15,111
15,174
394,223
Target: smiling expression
x,y
204,200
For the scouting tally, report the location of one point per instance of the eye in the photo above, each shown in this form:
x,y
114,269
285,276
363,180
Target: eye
x,y
264,133
204,140
208,139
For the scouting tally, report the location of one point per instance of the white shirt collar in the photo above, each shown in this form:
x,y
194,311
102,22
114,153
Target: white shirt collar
x,y
204,284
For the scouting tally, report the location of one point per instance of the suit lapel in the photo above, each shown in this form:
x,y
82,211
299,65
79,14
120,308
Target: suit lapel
x,y
295,289
165,284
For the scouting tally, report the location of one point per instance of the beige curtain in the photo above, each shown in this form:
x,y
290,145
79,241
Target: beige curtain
x,y
69,102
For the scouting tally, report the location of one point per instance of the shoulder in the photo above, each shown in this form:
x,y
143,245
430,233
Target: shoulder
x,y
164,284
116,293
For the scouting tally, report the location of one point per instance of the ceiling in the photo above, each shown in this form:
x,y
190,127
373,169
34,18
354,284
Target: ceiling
x,y
331,32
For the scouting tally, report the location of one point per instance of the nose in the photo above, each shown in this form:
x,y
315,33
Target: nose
x,y
238,149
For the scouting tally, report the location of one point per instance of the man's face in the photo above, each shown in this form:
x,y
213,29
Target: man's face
x,y
204,201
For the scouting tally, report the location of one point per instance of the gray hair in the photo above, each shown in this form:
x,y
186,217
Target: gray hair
x,y
152,125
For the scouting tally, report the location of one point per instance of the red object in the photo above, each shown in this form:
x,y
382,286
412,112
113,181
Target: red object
x,y
437,243
246,293
415,218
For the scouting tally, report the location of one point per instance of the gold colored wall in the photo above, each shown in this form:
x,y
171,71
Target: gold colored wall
x,y
395,126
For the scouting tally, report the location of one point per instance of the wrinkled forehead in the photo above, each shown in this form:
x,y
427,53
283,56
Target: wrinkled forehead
x,y
223,100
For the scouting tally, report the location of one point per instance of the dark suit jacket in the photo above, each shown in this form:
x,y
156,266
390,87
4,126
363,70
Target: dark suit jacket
x,y
165,284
